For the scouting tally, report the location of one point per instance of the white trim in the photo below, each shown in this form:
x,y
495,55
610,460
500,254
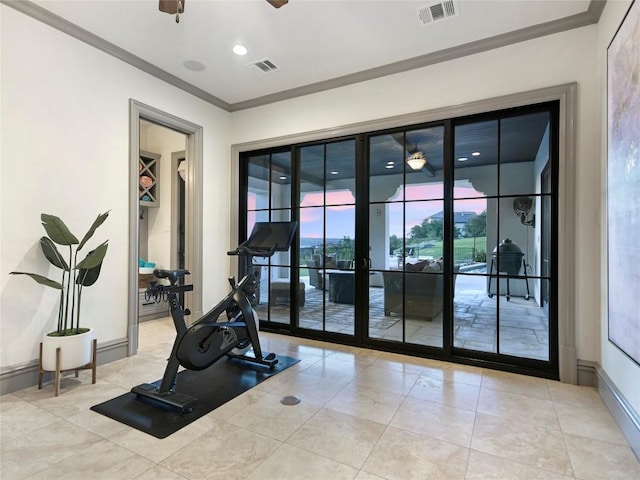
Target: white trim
x,y
623,413
25,375
193,211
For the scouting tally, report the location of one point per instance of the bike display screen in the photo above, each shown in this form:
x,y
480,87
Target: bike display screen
x,y
272,235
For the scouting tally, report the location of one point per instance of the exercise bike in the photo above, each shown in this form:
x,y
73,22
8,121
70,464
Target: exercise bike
x,y
212,337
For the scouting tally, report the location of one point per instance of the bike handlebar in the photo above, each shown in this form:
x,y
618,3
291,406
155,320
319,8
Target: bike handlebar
x,y
244,251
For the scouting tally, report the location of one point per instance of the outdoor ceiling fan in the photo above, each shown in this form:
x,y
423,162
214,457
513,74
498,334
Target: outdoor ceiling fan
x,y
176,7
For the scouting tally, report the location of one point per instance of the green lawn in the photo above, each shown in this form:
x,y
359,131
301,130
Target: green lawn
x,y
463,248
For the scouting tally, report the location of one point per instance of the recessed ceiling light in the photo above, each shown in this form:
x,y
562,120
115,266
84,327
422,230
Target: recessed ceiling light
x,y
391,162
194,65
334,173
240,50
463,159
388,166
475,154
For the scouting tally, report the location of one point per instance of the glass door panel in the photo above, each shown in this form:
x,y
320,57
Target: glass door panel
x,y
475,171
497,250
523,322
327,236
269,200
406,212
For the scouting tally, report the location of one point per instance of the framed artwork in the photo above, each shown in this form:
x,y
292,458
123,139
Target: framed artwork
x,y
623,184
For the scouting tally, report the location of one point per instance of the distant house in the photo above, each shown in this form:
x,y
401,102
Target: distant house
x,y
460,219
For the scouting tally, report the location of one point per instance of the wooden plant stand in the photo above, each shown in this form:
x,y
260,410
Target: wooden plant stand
x,y
58,373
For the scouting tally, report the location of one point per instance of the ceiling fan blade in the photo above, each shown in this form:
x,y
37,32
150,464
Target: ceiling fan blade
x,y
278,3
171,6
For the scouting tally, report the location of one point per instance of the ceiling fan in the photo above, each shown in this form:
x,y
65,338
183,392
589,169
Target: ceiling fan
x,y
176,7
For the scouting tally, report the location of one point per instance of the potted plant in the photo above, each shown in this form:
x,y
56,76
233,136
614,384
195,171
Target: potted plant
x,y
74,341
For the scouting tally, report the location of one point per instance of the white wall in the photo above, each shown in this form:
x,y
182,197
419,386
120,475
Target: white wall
x,y
624,373
65,136
553,60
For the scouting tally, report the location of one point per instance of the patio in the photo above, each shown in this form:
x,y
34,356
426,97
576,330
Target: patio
x,y
524,326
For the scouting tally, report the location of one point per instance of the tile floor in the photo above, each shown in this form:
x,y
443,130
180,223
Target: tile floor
x,y
364,415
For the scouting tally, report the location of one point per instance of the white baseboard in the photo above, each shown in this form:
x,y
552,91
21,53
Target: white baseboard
x,y
25,375
592,374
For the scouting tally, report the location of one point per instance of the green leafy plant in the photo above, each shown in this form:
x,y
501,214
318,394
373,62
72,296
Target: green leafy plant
x,y
75,275
479,256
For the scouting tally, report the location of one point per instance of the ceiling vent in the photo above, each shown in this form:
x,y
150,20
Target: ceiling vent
x,y
437,11
264,66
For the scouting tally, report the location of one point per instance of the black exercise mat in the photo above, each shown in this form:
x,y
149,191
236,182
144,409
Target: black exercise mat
x,y
221,382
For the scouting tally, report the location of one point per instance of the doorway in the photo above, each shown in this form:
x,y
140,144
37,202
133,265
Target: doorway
x,y
161,226
193,207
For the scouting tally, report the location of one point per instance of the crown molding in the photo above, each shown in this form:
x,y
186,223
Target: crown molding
x,y
45,16
589,17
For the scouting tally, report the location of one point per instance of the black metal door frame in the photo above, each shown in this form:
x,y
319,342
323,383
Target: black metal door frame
x,y
360,337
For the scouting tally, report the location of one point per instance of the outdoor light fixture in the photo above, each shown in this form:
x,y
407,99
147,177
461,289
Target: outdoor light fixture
x,y
522,206
416,161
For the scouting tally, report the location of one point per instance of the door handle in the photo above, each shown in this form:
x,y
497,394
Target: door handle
x,y
365,263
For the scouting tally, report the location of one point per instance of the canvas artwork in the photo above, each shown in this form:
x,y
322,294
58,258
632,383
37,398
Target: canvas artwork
x,y
623,184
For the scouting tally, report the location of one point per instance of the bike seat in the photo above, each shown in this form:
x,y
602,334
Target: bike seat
x,y
172,275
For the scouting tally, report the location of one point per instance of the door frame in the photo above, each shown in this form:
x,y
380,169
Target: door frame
x,y
176,157
566,95
545,234
193,197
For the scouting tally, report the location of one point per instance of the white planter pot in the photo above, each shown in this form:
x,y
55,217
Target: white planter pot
x,y
75,351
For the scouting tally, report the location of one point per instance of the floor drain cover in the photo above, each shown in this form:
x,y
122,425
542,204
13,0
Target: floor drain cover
x,y
290,400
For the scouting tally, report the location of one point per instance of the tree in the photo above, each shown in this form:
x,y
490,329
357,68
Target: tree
x,y
427,230
346,248
395,243
418,232
477,226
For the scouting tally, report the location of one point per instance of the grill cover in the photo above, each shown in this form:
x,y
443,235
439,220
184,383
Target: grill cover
x,y
509,257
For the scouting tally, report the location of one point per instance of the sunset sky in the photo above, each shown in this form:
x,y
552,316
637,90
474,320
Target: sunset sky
x,y
341,216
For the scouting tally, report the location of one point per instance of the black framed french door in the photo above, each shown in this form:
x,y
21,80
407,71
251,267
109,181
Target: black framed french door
x,y
407,237
329,262
436,239
499,308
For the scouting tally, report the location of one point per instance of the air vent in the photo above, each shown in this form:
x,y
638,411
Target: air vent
x,y
264,66
437,11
